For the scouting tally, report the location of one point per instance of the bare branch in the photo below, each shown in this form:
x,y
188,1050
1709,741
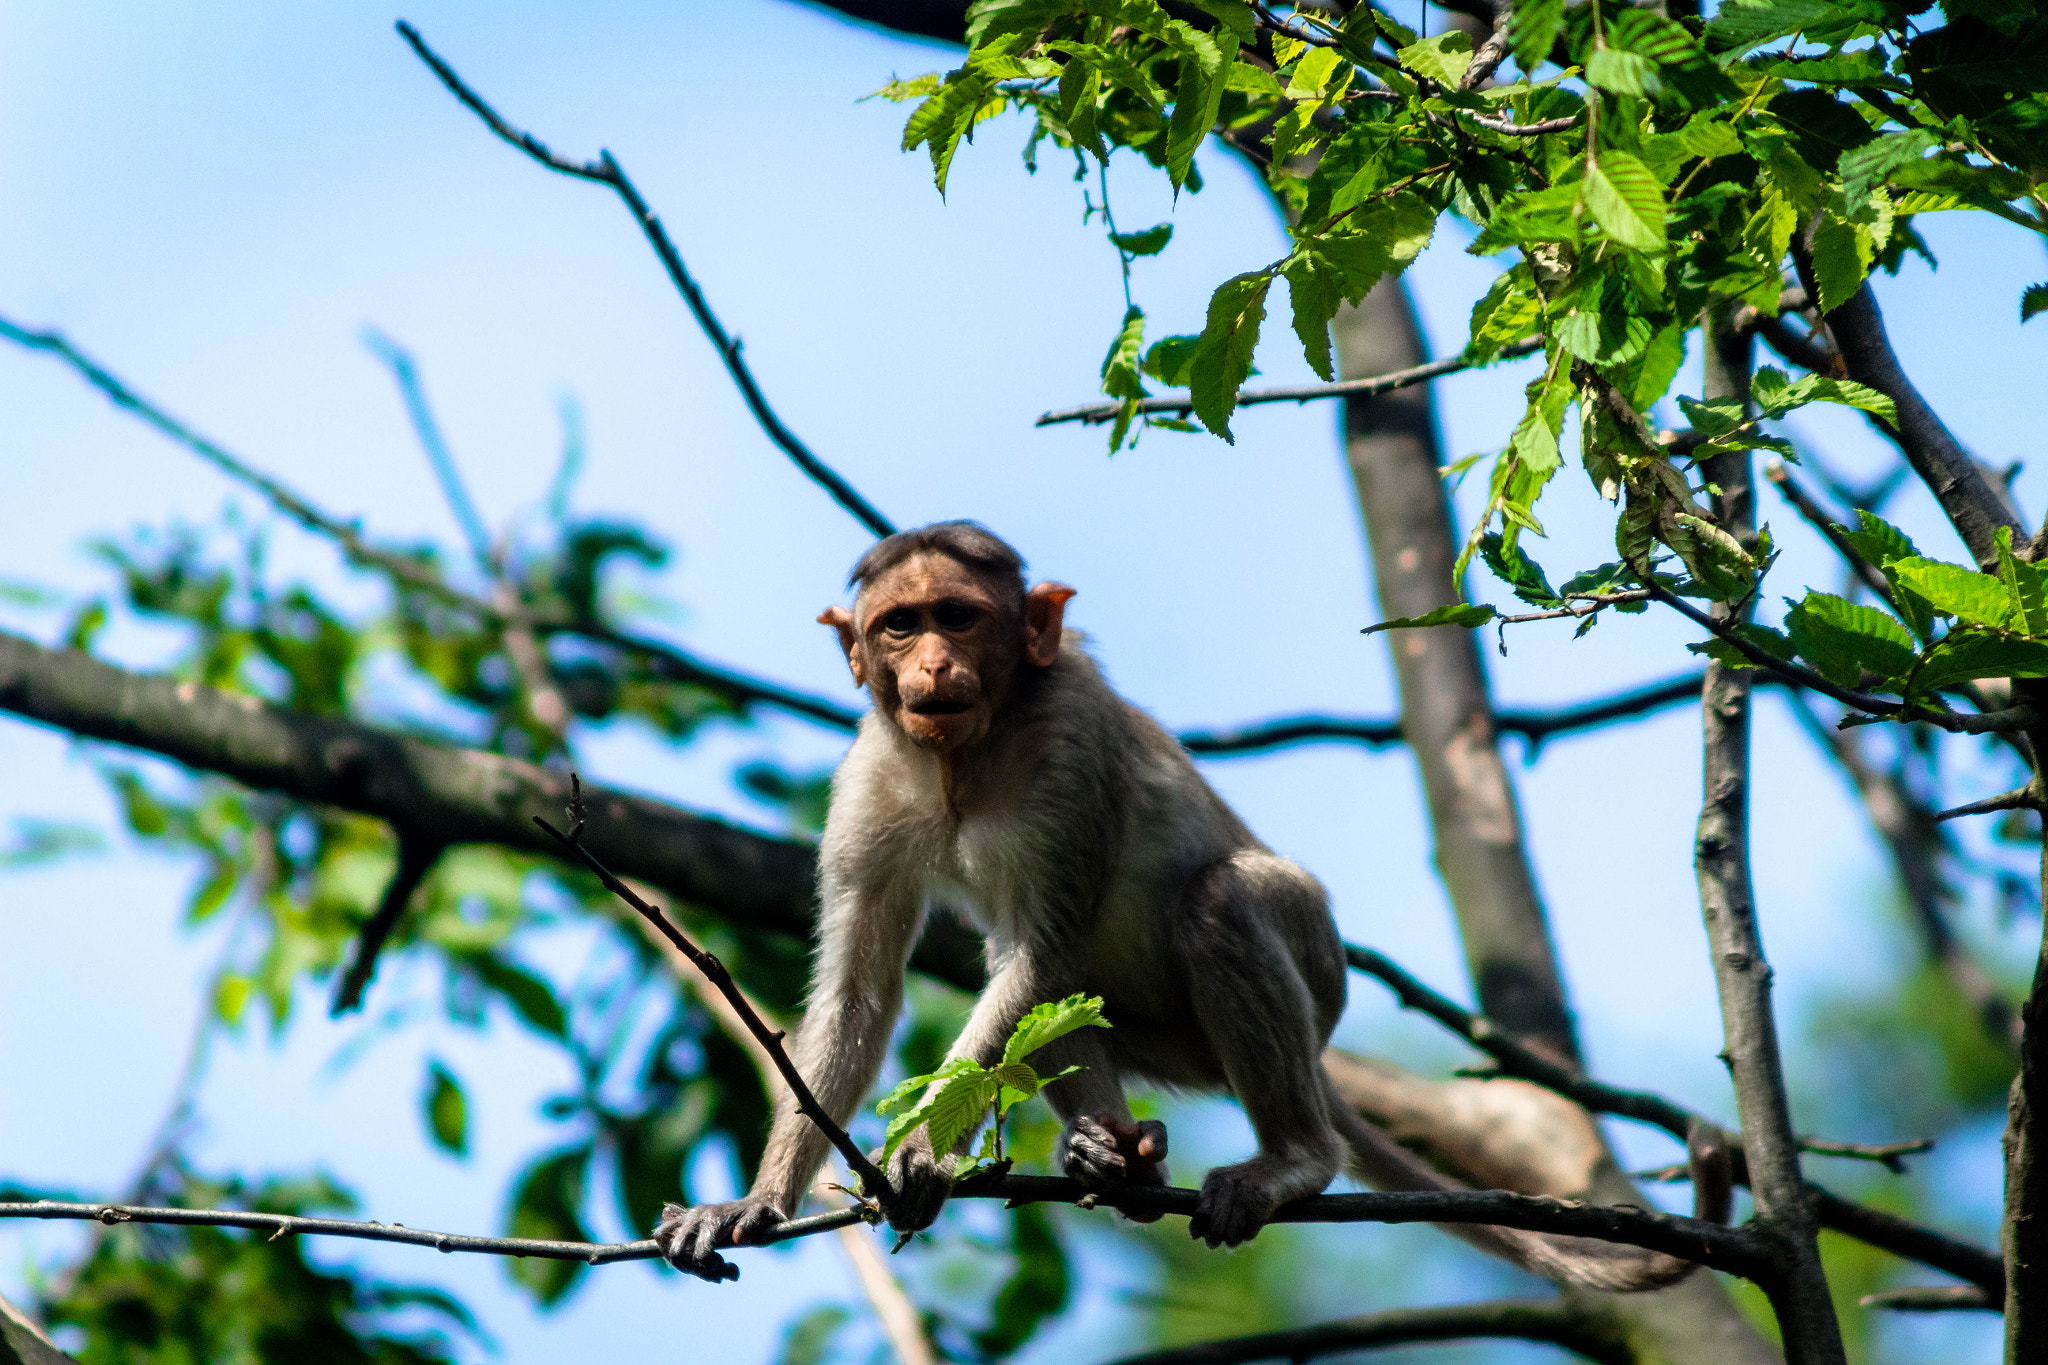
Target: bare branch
x,y
1516,1058
1816,516
459,796
1548,1320
607,171
874,1182
416,858
1096,413
1885,1154
1549,125
664,660
2019,798
1734,1250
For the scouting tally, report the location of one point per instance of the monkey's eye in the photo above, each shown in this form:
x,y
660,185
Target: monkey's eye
x,y
902,621
955,615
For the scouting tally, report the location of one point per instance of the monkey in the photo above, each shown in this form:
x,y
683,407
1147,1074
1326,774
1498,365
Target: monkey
x,y
997,773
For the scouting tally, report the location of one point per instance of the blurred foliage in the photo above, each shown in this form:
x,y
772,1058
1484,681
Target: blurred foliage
x,y
156,1295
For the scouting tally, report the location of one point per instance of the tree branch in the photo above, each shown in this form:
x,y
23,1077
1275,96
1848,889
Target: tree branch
x,y
1548,1320
1973,506
607,171
455,795
1886,1231
664,660
1096,413
416,858
1732,1249
875,1184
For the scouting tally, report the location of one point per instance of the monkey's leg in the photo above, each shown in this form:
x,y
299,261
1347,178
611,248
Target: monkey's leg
x,y
1237,938
1101,1144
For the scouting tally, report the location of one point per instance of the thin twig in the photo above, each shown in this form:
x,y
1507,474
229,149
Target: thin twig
x,y
1096,413
607,171
1732,1249
1538,129
876,1184
1889,1232
1885,1154
417,855
2019,798
665,661
1816,516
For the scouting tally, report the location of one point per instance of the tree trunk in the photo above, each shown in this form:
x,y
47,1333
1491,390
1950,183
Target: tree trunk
x,y
1447,716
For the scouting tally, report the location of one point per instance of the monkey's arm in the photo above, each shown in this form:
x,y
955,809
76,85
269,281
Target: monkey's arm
x,y
866,935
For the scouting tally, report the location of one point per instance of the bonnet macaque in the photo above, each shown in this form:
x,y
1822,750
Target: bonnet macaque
x,y
999,775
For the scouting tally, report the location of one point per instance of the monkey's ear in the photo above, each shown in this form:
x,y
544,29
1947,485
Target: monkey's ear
x,y
1045,613
841,620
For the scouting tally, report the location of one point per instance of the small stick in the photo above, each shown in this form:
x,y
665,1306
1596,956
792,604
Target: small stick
x,y
714,971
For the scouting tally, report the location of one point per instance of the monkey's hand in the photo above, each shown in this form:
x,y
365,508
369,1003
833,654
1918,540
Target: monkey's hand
x,y
922,1184
690,1237
1101,1150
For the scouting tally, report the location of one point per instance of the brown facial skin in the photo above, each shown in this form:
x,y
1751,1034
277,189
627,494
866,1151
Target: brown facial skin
x,y
936,645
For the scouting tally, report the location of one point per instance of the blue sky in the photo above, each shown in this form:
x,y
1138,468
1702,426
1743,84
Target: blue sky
x,y
217,200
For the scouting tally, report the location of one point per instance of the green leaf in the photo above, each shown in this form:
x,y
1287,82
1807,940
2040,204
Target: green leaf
x,y
1315,292
809,1339
1120,366
1532,31
906,1094
1626,201
1716,558
1840,261
1866,167
1738,26
1018,1076
1312,73
1442,57
1150,242
1170,359
1878,541
531,998
944,118
1965,654
446,1109
1055,1019
1521,573
957,1105
1455,614
1841,639
2033,300
1505,314
1706,136
2027,587
1624,73
1952,590
1223,359
1197,99
1776,395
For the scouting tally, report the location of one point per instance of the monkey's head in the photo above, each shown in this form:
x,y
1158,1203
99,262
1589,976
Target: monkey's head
x,y
940,625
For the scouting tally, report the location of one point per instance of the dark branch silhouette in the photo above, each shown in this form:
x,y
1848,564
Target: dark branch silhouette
x,y
1554,1321
607,171
1097,413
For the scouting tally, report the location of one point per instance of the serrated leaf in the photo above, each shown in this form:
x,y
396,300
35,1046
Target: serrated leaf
x,y
1018,1076
2026,587
1766,638
1623,73
1455,614
1150,242
447,1110
907,1093
1055,1019
1626,201
957,1106
1965,654
1533,30
1197,99
1223,359
1441,57
1508,312
1315,293
1706,136
1738,25
1952,589
1716,558
2034,300
1842,639
1878,541
1865,168
1776,395
1120,366
1840,261
1312,73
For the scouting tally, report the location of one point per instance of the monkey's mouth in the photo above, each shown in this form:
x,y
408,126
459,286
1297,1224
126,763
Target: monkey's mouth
x,y
937,706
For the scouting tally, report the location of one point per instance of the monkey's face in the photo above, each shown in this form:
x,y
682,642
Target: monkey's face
x,y
936,644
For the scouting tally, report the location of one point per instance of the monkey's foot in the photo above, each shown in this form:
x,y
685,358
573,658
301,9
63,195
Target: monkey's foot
x,y
690,1237
922,1188
1104,1151
1235,1203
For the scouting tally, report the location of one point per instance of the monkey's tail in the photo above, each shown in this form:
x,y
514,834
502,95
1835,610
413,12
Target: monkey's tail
x,y
1582,1261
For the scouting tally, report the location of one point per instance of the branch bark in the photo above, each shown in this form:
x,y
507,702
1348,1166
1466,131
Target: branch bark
x,y
436,792
1806,1312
